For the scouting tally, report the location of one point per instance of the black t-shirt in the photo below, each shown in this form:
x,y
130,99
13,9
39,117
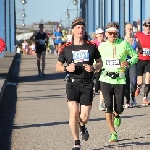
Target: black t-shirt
x,y
41,38
79,54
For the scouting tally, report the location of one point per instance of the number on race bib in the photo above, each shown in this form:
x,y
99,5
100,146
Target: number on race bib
x,y
146,52
113,63
80,56
41,41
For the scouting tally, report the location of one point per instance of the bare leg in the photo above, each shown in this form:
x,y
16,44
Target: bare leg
x,y
38,62
140,80
84,114
110,121
74,119
43,60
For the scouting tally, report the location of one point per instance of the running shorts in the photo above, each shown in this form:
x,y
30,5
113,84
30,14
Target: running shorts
x,y
143,65
80,92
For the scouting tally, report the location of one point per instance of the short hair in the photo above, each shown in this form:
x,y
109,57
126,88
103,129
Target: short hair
x,y
78,20
128,23
113,24
41,24
93,35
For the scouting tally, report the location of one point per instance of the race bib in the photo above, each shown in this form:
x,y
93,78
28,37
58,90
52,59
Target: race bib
x,y
80,56
112,63
41,41
58,37
146,52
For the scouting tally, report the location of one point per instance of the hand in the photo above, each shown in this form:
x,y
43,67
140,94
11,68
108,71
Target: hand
x,y
88,68
125,64
71,67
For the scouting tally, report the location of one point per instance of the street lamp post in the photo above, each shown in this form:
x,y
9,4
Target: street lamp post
x,y
21,20
23,12
23,1
75,2
60,22
68,10
23,16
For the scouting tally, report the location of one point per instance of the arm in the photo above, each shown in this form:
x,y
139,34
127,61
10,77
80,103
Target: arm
x,y
139,48
46,39
59,67
132,53
33,37
61,60
54,36
98,65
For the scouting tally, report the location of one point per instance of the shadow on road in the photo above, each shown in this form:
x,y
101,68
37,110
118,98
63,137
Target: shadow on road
x,y
65,122
125,145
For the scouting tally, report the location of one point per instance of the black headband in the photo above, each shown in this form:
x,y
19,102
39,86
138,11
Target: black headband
x,y
78,23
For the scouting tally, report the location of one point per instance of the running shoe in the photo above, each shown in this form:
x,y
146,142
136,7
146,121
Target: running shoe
x,y
117,121
137,92
145,101
85,135
133,103
113,137
39,74
76,147
42,74
127,105
102,106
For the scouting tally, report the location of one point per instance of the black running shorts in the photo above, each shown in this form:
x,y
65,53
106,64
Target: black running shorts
x,y
143,65
39,51
80,92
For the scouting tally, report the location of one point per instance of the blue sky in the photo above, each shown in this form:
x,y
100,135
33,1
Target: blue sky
x,y
54,10
48,10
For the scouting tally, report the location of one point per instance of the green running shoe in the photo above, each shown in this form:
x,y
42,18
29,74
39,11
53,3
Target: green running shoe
x,y
117,121
113,137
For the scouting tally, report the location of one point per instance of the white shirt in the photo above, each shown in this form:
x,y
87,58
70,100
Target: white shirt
x,y
33,47
69,38
18,50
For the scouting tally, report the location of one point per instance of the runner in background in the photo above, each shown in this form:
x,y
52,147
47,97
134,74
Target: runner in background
x,y
144,60
41,38
131,72
57,36
69,36
98,39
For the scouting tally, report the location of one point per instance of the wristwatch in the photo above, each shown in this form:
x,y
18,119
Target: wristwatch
x,y
65,68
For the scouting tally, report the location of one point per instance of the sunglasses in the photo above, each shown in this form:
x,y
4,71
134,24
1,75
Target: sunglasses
x,y
147,26
113,33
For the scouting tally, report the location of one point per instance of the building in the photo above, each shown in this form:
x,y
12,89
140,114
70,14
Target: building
x,y
97,13
34,28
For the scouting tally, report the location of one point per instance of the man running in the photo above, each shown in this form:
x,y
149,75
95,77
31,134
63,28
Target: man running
x,y
40,38
144,60
79,56
114,53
